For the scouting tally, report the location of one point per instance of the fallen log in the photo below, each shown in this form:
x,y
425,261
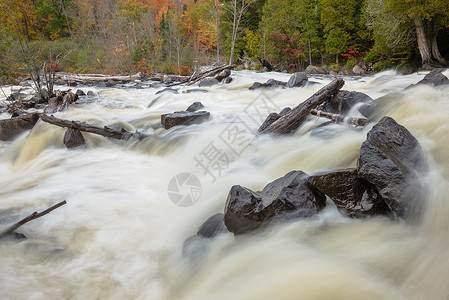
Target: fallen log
x,y
98,77
9,128
339,118
294,118
29,218
195,78
82,126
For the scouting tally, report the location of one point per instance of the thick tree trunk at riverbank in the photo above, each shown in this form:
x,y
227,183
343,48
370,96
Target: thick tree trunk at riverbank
x,y
428,46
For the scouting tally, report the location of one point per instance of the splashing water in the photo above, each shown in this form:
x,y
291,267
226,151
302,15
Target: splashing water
x,y
120,236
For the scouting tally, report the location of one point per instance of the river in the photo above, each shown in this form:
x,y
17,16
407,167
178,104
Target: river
x,y
120,235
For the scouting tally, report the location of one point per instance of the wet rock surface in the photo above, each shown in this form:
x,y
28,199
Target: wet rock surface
x,y
273,117
208,82
195,106
271,83
391,159
286,198
298,79
213,226
315,70
73,138
355,197
183,118
223,75
435,78
9,128
344,101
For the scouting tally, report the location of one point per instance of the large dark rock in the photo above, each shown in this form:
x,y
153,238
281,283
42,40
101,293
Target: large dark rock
x,y
184,118
80,93
435,78
271,83
213,226
391,159
208,82
344,101
298,79
9,128
285,198
195,106
91,94
355,197
73,138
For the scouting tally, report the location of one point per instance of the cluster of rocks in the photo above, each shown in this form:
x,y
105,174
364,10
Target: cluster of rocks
x,y
21,121
298,79
385,183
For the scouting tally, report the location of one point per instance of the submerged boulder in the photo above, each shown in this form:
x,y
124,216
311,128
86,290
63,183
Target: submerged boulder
x,y
355,197
213,226
286,198
183,118
391,159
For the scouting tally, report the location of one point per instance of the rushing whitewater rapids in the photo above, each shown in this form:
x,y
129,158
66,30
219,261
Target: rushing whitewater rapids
x,y
120,236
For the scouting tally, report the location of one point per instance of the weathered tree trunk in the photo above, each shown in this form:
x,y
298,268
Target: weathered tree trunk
x,y
294,118
423,43
81,126
339,118
436,51
9,128
266,64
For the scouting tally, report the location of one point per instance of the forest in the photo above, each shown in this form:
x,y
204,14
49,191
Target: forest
x,y
180,36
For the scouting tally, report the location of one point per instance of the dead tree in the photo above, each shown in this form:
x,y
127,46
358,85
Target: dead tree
x,y
82,126
339,118
29,218
294,118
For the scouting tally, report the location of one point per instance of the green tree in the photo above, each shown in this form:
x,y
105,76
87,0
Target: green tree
x,y
428,18
339,20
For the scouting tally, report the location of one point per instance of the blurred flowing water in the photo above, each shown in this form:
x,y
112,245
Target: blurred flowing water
x,y
120,236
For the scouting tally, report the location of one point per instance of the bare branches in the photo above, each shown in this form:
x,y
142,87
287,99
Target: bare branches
x,y
31,217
